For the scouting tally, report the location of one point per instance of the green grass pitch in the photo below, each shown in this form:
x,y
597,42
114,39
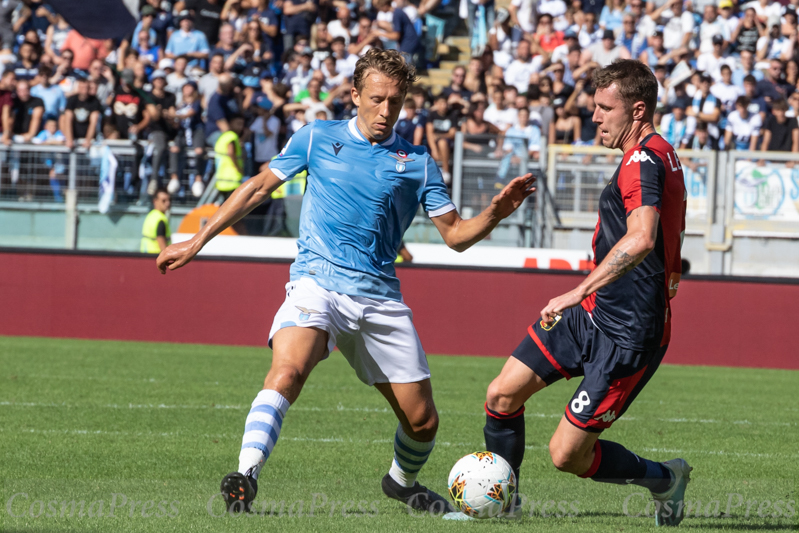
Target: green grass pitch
x,y
148,431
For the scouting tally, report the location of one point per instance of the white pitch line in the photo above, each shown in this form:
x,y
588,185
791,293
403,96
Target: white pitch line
x,y
340,440
342,408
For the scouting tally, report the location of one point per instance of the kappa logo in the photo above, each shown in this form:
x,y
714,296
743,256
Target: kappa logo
x,y
639,157
306,313
337,147
607,416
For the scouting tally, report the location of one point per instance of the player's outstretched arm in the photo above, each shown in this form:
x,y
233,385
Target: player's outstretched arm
x,y
642,232
460,234
247,197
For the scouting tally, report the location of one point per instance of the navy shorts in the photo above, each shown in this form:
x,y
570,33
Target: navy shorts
x,y
573,346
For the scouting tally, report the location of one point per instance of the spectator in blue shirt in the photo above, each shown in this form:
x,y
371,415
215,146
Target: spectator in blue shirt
x,y
404,33
145,24
221,106
188,42
226,44
299,15
28,65
53,97
269,22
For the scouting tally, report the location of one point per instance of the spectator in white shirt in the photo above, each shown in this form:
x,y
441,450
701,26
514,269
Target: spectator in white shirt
x,y
775,45
725,90
679,30
522,14
500,40
727,17
590,32
712,61
519,71
743,127
711,27
343,25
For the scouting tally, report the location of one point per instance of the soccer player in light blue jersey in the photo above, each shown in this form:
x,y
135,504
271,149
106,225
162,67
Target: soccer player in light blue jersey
x,y
364,186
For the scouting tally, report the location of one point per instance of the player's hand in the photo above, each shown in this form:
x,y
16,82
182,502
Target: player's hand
x,y
556,306
176,255
512,196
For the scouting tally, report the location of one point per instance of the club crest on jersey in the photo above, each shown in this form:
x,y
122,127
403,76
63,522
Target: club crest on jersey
x,y
306,313
546,327
401,158
639,157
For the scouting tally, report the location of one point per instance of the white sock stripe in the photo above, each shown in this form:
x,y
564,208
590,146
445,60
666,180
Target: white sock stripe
x,y
273,398
266,418
414,445
258,436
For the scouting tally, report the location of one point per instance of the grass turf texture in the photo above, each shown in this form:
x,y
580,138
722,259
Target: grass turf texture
x,y
84,420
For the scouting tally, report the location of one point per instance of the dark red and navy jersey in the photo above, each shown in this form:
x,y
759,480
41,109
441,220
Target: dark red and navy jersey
x,y
634,310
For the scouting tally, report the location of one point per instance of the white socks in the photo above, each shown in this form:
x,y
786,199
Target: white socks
x,y
409,457
261,430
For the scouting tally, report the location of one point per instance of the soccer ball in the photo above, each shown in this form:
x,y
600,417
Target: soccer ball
x,y
482,485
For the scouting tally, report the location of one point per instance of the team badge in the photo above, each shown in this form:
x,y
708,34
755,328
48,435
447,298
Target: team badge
x,y
549,327
306,313
402,159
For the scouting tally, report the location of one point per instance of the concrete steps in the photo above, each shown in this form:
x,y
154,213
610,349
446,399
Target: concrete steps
x,y
453,51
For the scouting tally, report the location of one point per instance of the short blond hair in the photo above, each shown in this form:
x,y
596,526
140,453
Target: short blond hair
x,y
391,63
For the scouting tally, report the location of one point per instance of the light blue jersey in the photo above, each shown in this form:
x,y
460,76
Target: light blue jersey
x,y
359,201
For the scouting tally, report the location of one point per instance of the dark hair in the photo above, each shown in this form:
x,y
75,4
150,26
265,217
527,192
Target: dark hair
x,y
701,126
780,104
409,102
160,190
725,66
742,100
750,79
391,63
634,82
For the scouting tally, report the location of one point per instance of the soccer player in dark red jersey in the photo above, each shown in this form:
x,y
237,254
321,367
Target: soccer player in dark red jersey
x,y
614,328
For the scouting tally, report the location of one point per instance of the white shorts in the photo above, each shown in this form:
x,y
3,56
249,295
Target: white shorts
x,y
376,336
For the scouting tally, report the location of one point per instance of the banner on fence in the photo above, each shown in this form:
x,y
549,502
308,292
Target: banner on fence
x,y
766,192
696,189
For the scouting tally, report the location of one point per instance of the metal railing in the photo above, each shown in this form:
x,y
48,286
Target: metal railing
x,y
42,174
483,165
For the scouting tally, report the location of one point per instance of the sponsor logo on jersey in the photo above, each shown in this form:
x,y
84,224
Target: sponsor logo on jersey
x,y
306,313
674,284
639,157
337,147
607,416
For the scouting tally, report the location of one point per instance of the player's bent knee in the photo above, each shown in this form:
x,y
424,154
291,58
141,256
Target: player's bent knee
x,y
424,427
562,459
498,399
285,378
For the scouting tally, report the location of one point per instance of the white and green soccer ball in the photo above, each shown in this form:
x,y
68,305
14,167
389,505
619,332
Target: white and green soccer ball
x,y
482,485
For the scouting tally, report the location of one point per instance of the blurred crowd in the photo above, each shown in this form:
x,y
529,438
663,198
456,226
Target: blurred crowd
x,y
194,70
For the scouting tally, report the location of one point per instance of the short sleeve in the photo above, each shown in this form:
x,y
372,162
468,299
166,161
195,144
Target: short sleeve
x,y
756,123
435,198
641,180
160,231
293,159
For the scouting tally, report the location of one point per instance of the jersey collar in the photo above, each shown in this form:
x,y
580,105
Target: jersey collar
x,y
357,134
